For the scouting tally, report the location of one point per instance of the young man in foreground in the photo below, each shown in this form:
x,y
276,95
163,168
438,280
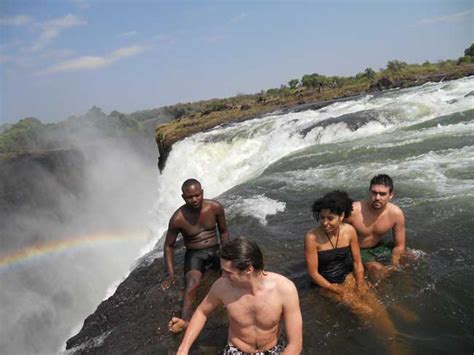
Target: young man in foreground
x,y
255,300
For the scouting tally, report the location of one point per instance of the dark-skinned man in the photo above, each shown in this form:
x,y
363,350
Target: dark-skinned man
x,y
196,221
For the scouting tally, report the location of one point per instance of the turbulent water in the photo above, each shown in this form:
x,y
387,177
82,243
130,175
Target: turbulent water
x,y
266,172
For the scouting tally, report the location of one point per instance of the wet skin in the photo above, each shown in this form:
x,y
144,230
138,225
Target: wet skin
x,y
372,219
355,293
196,221
255,302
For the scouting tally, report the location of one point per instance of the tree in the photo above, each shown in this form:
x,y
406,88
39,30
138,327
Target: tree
x,y
313,80
26,134
469,51
395,65
465,59
369,73
293,83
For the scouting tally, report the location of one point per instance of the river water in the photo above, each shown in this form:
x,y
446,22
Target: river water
x,y
266,172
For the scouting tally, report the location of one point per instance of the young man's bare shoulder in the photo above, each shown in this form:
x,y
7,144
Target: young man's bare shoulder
x,y
348,228
356,207
356,211
395,210
283,283
221,285
212,204
177,215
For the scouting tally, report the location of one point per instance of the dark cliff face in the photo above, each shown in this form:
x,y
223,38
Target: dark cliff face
x,y
31,180
61,198
37,186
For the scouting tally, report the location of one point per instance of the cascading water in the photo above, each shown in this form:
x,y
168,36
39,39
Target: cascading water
x,y
267,171
228,156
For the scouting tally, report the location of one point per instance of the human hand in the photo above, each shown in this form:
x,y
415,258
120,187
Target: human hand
x,y
170,280
363,286
336,288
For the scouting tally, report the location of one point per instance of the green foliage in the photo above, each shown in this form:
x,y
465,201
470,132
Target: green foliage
x,y
465,59
30,133
395,65
340,80
293,83
26,134
369,73
313,80
216,106
469,51
274,92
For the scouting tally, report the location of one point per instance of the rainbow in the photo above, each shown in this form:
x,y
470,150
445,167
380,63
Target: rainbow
x,y
35,251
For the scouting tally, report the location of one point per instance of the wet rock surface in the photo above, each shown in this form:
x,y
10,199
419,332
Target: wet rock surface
x,y
135,319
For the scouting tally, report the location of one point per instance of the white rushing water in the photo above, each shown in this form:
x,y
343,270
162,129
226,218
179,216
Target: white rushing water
x,y
324,145
227,156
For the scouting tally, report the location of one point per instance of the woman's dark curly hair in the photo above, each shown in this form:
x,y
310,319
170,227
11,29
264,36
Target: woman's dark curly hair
x,y
336,201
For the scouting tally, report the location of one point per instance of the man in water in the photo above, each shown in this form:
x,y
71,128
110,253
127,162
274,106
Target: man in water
x,y
255,300
372,219
196,220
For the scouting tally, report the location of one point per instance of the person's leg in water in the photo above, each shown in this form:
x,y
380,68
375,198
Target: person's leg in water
x,y
376,271
193,280
371,258
368,308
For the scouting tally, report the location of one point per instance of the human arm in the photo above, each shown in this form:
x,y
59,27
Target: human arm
x,y
293,320
311,257
222,224
168,251
399,237
199,318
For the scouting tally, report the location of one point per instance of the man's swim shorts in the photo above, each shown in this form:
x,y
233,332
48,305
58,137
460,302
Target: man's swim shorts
x,y
202,259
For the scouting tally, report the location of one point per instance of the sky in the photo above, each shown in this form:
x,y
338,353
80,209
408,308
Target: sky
x,y
61,57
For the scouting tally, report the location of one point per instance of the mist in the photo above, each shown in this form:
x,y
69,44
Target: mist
x,y
76,219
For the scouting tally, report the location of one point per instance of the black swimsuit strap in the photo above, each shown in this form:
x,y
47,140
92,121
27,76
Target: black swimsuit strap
x,y
337,238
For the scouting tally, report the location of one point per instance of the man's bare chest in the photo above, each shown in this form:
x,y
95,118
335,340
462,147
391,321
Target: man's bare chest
x,y
375,227
260,312
192,227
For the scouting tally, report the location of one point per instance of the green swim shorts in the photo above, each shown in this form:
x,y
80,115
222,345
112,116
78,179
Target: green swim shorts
x,y
380,252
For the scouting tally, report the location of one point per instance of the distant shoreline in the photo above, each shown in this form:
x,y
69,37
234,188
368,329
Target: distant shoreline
x,y
250,107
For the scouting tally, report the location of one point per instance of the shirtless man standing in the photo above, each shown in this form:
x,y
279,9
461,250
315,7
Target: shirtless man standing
x,y
255,301
196,220
372,219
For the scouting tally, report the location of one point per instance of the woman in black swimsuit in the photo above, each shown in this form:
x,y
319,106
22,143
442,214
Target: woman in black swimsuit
x,y
334,263
331,250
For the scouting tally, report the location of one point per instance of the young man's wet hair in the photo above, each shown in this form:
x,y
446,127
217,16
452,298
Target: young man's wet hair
x,y
382,179
242,252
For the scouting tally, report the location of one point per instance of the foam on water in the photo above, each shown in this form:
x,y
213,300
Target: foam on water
x,y
228,156
430,171
258,207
